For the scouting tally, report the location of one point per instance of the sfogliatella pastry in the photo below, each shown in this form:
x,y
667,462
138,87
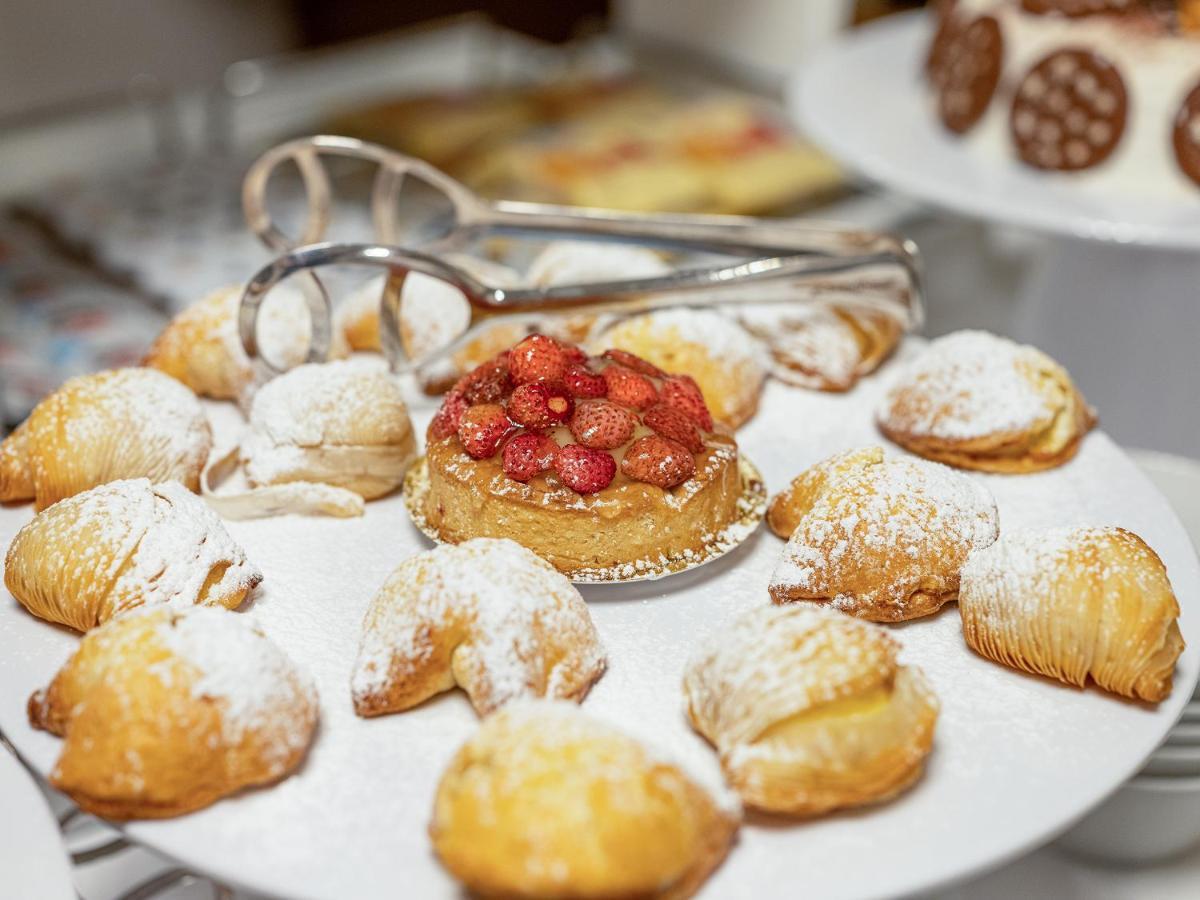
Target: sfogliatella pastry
x,y
546,802
879,537
201,346
122,545
826,347
166,710
978,401
810,711
601,465
1075,604
487,616
340,423
726,362
120,423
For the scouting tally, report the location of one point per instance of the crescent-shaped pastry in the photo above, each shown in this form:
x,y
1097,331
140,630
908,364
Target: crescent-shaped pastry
x,y
810,711
166,710
120,423
878,537
824,347
1074,604
123,545
488,616
978,401
201,346
340,423
725,361
546,802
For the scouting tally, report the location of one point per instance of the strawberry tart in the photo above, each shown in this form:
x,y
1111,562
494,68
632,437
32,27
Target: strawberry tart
x,y
605,466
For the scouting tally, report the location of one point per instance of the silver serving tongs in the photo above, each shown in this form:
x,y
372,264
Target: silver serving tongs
x,y
785,260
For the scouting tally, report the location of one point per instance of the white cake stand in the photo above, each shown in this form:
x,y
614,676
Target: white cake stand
x,y
1116,294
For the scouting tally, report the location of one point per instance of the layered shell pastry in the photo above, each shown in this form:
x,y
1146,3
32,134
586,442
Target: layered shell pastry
x,y
979,401
604,466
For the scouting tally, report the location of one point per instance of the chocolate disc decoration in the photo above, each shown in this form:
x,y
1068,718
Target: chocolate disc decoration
x,y
1076,9
939,47
1187,135
1069,111
968,74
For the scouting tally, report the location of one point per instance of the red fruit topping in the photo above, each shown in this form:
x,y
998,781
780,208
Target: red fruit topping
x,y
540,405
682,392
673,423
537,358
628,388
486,383
572,354
659,461
630,361
584,470
482,429
584,383
528,454
601,425
445,421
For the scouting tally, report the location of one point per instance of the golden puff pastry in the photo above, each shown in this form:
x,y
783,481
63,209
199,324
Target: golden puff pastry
x,y
789,506
978,401
827,347
486,615
1074,604
810,711
201,346
881,538
123,545
726,362
166,710
120,423
545,802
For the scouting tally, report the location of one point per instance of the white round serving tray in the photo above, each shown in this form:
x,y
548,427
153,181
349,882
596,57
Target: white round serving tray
x,y
1017,758
33,860
864,99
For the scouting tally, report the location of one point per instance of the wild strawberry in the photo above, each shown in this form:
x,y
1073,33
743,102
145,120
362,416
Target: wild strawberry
x,y
528,454
446,419
482,429
631,361
601,425
540,405
628,388
537,358
659,461
582,382
572,353
682,392
584,470
672,423
486,383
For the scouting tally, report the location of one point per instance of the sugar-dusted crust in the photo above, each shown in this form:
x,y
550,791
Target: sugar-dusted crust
x,y
626,523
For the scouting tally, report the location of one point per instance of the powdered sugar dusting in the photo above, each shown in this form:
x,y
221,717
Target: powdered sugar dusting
x,y
812,345
587,262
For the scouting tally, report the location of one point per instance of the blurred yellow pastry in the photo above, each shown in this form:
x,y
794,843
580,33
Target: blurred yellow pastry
x,y
120,423
166,710
878,537
1074,604
545,802
978,401
809,710
486,615
123,545
727,363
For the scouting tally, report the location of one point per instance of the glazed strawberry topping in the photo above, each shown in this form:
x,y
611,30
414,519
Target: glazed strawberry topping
x,y
628,388
522,404
482,429
659,461
584,470
537,358
682,392
670,422
528,455
540,405
601,425
583,383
